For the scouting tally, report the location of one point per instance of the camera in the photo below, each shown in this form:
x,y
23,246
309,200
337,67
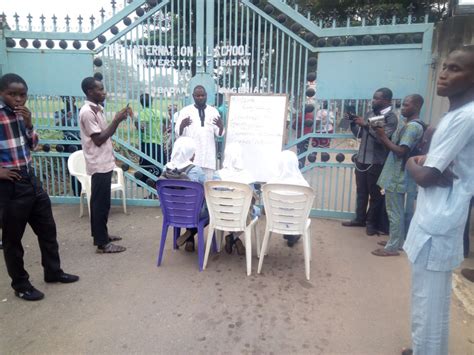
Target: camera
x,y
377,121
350,111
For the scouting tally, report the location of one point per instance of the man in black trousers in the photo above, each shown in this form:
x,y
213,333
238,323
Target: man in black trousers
x,y
22,198
100,160
370,160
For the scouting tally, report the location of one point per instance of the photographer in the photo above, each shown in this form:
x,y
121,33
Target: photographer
x,y
370,159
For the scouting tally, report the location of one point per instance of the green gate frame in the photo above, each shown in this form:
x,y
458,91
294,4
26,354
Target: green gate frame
x,y
283,54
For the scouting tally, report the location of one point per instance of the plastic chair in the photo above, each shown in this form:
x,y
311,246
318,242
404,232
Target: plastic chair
x,y
181,204
76,165
229,204
287,208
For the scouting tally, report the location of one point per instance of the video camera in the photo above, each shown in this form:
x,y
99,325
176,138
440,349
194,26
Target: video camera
x,y
377,121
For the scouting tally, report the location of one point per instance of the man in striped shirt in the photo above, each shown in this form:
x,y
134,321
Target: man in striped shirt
x,y
22,199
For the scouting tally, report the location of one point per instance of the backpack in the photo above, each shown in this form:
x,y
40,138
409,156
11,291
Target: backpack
x,y
177,174
423,145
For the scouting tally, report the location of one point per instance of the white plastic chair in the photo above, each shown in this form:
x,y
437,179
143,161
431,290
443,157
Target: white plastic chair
x,y
287,209
229,204
77,167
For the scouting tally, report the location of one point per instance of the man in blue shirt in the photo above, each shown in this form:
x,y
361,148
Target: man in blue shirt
x,y
445,175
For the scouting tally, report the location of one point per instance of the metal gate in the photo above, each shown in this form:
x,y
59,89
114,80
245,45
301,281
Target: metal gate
x,y
165,48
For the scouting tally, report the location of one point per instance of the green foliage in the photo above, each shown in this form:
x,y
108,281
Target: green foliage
x,y
437,8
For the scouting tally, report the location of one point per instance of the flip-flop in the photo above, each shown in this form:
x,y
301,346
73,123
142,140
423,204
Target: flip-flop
x,y
383,252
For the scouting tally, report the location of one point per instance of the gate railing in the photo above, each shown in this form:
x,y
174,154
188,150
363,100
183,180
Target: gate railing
x,y
283,47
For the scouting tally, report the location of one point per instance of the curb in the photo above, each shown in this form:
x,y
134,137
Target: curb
x,y
464,291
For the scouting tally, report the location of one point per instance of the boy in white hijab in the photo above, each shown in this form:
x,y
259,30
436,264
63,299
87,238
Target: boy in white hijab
x,y
289,173
181,167
233,170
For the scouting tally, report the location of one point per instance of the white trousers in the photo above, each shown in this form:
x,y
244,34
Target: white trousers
x,y
430,302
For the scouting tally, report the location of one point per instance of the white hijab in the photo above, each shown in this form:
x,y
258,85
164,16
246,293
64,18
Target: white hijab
x,y
233,166
183,151
288,170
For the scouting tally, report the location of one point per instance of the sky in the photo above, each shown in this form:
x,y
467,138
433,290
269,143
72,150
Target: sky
x,y
60,8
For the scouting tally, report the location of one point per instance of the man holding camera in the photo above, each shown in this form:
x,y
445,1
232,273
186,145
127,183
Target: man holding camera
x,y
371,158
394,178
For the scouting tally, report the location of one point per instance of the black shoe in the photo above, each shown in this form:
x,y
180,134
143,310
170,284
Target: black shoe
x,y
292,240
31,294
371,231
353,223
62,278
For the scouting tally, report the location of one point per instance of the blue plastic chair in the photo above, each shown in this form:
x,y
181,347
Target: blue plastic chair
x,y
181,204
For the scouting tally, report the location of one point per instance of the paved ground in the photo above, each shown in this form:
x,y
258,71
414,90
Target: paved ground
x,y
355,303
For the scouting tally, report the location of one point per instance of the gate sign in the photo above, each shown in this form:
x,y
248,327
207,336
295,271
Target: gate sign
x,y
257,123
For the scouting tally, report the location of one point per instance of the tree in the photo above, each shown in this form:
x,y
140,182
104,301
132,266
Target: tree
x,y
437,8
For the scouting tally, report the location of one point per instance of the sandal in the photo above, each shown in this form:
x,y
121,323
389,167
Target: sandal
x,y
239,246
110,248
383,252
183,238
382,243
229,243
189,246
114,238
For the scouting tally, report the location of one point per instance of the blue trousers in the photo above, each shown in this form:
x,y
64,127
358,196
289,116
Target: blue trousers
x,y
395,204
430,301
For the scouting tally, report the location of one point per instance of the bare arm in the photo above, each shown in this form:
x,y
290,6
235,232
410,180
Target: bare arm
x,y
399,150
423,175
101,138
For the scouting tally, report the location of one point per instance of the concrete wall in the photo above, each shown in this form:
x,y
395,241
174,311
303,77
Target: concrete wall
x,y
452,33
355,74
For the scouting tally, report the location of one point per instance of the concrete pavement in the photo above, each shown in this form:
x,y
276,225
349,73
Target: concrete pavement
x,y
355,303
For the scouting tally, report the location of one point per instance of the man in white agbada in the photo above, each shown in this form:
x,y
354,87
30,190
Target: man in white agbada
x,y
289,173
202,123
233,170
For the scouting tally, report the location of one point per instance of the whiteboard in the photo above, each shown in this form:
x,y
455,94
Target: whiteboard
x,y
257,123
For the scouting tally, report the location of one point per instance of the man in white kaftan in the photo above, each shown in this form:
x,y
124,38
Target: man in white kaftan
x,y
202,123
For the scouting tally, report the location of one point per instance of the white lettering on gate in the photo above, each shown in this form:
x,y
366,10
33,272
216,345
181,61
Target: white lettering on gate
x,y
170,56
